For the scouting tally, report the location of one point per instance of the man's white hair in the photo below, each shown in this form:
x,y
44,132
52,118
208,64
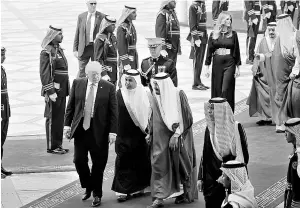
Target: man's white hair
x,y
93,66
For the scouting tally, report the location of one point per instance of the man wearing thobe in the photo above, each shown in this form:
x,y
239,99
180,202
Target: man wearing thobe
x,y
283,60
106,49
291,101
157,63
127,39
252,17
55,88
5,111
218,6
91,119
88,24
132,166
261,97
167,27
198,38
173,156
292,192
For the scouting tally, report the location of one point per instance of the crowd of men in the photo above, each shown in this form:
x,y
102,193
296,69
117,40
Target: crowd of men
x,y
150,117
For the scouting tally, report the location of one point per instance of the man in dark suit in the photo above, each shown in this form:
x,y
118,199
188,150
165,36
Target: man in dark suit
x,y
91,119
88,24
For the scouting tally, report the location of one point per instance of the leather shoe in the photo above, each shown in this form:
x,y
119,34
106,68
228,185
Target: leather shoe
x,y
86,195
96,202
204,86
3,176
5,172
198,88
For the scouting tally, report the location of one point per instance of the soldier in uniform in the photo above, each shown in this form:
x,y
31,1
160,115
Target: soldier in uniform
x,y
5,111
157,63
252,17
292,192
198,38
288,7
127,38
106,49
269,9
219,6
167,27
55,88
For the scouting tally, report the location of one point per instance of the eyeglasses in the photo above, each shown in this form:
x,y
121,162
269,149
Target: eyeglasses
x,y
93,4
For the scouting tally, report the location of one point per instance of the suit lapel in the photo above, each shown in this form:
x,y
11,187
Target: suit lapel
x,y
97,16
63,56
84,83
98,95
84,20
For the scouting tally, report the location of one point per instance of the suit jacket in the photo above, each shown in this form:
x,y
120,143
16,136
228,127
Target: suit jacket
x,y
79,40
105,110
5,107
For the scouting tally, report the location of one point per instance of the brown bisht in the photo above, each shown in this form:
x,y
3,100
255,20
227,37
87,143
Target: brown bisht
x,y
179,165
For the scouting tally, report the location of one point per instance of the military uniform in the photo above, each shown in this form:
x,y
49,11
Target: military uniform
x,y
269,6
5,108
106,53
252,11
198,31
127,38
167,27
217,8
288,7
151,66
55,79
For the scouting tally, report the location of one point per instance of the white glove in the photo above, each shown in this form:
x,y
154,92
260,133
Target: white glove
x,y
53,97
106,77
127,67
268,15
255,21
67,132
271,7
197,43
291,8
164,53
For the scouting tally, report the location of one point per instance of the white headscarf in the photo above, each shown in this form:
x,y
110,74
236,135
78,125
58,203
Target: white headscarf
x,y
271,41
286,31
293,126
136,100
106,22
242,191
168,100
224,134
165,3
51,34
125,13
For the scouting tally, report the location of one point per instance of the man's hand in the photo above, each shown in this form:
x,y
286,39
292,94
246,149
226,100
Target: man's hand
x,y
75,54
200,185
111,138
53,97
164,53
292,76
173,144
148,139
198,43
67,132
106,77
46,98
207,73
255,21
237,72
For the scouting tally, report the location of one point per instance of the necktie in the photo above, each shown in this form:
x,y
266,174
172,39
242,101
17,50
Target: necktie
x,y
88,30
88,108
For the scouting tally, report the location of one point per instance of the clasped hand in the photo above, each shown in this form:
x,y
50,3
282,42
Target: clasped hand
x,y
173,144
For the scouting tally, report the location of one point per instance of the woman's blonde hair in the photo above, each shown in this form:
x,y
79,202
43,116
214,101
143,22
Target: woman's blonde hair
x,y
220,25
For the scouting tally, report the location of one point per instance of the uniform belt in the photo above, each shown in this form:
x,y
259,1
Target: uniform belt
x,y
174,32
222,51
202,24
4,91
130,47
131,58
111,59
257,12
62,72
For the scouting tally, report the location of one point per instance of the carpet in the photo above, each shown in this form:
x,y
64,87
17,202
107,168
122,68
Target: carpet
x,y
267,170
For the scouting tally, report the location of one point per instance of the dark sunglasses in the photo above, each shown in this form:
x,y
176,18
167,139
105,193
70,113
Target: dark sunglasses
x,y
93,3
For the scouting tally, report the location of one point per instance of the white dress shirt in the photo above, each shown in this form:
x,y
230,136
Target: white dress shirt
x,y
93,18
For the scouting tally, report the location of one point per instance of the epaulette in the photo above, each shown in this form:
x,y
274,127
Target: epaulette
x,y
124,25
49,49
163,12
